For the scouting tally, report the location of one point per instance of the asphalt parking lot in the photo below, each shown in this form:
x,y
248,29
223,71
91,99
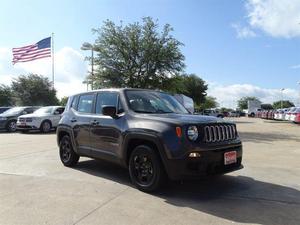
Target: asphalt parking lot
x,y
36,189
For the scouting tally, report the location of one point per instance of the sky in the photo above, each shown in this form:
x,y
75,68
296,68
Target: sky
x,y
240,48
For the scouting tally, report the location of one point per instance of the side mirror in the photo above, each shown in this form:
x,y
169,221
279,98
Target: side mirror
x,y
109,111
24,113
56,113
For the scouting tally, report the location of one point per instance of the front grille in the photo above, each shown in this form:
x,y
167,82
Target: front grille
x,y
219,133
29,120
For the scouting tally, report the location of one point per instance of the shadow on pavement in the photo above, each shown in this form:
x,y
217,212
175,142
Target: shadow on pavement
x,y
236,198
266,137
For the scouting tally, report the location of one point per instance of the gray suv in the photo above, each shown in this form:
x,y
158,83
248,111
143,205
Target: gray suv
x,y
148,132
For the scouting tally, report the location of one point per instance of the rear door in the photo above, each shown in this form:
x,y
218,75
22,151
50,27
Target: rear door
x,y
106,131
82,112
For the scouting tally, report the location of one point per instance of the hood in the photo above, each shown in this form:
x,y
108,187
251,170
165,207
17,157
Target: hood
x,y
34,115
182,118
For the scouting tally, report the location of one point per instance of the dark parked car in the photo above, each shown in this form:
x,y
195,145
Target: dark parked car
x,y
8,119
148,132
3,109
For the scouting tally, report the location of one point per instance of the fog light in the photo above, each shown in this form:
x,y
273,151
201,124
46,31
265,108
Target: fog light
x,y
194,155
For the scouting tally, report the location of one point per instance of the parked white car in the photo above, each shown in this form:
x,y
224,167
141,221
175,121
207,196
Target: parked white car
x,y
294,114
43,119
289,113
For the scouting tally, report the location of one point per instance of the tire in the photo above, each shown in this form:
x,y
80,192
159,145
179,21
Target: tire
x,y
146,170
46,126
11,126
66,152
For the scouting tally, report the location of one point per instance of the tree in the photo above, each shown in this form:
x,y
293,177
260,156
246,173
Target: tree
x,y
209,103
243,102
188,84
266,106
285,104
63,101
136,55
6,97
34,89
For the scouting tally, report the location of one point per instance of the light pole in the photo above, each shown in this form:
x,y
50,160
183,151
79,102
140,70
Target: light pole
x,y
281,103
89,46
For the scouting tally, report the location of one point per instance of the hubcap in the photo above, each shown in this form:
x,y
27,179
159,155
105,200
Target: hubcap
x,y
12,126
65,151
46,126
143,169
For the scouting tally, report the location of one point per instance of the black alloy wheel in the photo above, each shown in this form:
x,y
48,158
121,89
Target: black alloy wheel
x,y
145,169
67,155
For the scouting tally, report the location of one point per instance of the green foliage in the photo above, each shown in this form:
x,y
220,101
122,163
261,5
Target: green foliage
x,y
137,55
6,96
285,104
63,101
34,90
243,102
223,109
209,103
190,85
266,106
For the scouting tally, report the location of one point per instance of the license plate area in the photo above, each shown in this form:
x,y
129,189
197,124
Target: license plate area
x,y
230,157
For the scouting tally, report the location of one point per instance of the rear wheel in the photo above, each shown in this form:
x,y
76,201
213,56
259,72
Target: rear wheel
x,y
145,169
66,152
11,126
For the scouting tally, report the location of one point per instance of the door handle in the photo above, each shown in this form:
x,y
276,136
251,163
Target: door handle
x,y
95,122
73,120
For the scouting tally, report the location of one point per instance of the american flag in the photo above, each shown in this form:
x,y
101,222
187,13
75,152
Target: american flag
x,y
41,49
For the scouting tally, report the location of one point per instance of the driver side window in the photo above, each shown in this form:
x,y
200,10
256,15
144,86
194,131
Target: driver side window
x,y
106,99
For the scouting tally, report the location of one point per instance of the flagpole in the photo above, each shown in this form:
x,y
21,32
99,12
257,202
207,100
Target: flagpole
x,y
52,52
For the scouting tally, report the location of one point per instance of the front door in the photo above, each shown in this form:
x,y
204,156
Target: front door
x,y
105,131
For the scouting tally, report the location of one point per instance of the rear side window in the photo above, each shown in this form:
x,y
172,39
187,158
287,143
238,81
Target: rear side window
x,y
85,103
74,102
106,99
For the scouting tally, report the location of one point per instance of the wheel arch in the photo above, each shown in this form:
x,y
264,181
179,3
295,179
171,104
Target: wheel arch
x,y
133,140
61,132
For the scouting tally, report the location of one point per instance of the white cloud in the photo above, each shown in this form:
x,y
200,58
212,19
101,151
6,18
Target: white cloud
x,y
70,70
243,32
295,66
229,95
277,18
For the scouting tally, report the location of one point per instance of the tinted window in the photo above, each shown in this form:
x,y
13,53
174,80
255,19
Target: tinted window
x,y
106,98
85,103
60,110
74,102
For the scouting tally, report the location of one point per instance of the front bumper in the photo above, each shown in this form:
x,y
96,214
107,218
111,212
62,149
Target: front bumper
x,y
210,162
27,126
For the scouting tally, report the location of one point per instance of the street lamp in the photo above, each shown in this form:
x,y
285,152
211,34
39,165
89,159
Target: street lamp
x,y
281,103
89,46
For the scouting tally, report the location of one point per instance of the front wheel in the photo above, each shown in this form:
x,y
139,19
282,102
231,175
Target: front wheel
x,y
66,152
45,127
145,169
11,126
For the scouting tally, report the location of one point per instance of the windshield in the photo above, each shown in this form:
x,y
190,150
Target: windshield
x,y
153,102
15,110
44,110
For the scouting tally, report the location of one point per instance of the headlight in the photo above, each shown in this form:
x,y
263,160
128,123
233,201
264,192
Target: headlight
x,y
192,133
3,118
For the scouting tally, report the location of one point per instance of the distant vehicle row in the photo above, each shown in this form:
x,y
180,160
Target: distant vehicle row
x,y
286,114
27,118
